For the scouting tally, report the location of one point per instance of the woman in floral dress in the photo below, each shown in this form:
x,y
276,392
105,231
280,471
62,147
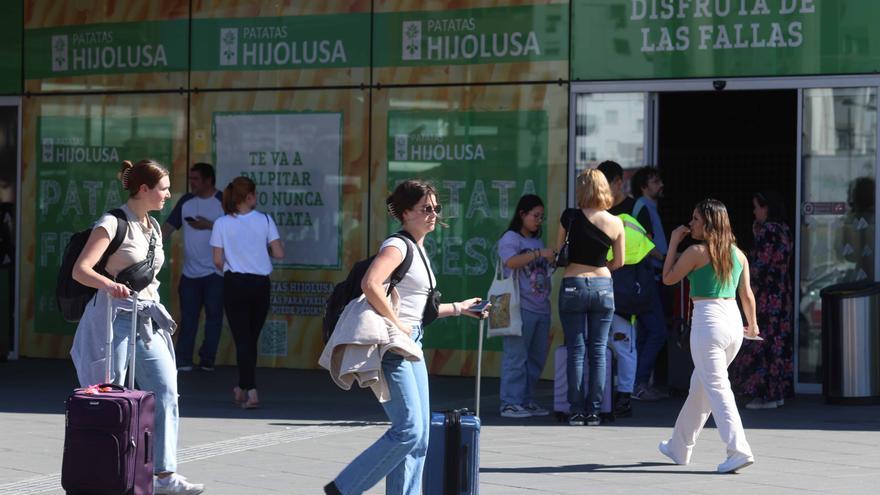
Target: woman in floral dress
x,y
764,371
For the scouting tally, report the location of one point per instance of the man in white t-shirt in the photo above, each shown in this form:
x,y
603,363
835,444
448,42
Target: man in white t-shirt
x,y
200,284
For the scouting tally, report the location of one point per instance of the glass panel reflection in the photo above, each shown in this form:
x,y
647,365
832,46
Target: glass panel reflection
x,y
837,221
610,126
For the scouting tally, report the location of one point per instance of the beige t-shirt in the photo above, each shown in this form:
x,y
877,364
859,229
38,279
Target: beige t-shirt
x,y
134,248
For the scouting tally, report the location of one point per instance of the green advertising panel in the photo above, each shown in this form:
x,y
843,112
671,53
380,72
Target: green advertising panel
x,y
78,160
471,36
111,48
644,39
481,163
278,43
10,47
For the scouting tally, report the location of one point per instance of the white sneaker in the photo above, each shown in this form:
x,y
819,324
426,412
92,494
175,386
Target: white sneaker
x,y
514,411
735,463
664,449
758,403
535,410
176,485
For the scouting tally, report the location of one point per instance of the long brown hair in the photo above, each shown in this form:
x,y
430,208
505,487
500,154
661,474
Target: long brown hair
x,y
236,193
145,172
719,238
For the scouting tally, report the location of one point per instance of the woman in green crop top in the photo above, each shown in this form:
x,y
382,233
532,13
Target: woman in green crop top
x,y
717,271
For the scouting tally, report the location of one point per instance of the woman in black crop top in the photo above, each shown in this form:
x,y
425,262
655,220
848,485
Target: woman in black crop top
x,y
586,299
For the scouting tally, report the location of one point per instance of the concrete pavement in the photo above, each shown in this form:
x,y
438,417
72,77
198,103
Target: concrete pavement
x,y
308,430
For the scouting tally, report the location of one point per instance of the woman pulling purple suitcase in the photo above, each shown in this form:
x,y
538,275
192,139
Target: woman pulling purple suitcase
x,y
148,187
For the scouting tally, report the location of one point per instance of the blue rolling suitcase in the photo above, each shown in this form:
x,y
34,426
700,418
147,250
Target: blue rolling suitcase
x,y
453,463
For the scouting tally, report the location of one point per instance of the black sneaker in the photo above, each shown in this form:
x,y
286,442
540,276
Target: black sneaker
x,y
331,489
623,407
577,419
593,420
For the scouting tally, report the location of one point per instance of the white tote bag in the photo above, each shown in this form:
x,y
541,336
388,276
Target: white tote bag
x,y
505,319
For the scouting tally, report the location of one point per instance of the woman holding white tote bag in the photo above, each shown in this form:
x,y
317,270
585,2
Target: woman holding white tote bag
x,y
527,270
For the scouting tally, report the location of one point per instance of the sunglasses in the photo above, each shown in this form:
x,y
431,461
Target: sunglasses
x,y
428,209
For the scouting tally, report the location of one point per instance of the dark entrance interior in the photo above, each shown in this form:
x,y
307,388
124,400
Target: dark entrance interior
x,y
727,145
8,180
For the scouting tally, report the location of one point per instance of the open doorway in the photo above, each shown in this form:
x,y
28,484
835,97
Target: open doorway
x,y
727,145
8,181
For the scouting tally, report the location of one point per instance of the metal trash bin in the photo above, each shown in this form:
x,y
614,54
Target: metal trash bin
x,y
851,342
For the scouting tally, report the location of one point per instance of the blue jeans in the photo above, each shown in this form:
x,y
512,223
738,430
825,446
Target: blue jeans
x,y
154,371
650,338
399,454
523,358
195,293
586,306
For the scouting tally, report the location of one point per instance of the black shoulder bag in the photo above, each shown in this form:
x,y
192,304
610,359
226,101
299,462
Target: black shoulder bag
x,y
562,255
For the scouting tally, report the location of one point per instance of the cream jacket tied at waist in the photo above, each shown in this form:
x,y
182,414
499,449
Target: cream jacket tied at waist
x,y
360,339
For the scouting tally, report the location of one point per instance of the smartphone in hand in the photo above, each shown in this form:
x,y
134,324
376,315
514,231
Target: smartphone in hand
x,y
479,307
749,337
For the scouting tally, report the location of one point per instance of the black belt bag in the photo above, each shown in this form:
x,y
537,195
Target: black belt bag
x,y
140,275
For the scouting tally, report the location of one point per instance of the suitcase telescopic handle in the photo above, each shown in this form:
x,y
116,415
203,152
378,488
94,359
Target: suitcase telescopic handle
x,y
108,354
132,347
479,367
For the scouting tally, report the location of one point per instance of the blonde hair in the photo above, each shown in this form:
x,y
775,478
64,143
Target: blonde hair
x,y
719,238
592,190
145,172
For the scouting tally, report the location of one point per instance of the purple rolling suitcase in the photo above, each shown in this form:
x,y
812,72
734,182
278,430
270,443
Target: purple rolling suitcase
x,y
108,437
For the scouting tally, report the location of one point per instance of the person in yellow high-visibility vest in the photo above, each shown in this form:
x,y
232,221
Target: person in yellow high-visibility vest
x,y
622,338
638,244
651,330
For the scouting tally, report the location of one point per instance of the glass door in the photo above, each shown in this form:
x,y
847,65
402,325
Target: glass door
x,y
611,126
9,160
838,224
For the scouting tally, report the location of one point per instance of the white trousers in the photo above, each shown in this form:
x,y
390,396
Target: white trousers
x,y
716,336
623,343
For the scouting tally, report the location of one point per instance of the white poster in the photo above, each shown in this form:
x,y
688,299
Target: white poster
x,y
295,161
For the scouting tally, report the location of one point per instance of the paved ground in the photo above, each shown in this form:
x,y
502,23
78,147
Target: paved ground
x,y
309,429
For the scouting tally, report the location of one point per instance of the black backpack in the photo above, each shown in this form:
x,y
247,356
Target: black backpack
x,y
72,296
634,288
350,288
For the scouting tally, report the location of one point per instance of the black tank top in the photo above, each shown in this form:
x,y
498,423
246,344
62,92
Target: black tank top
x,y
587,244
